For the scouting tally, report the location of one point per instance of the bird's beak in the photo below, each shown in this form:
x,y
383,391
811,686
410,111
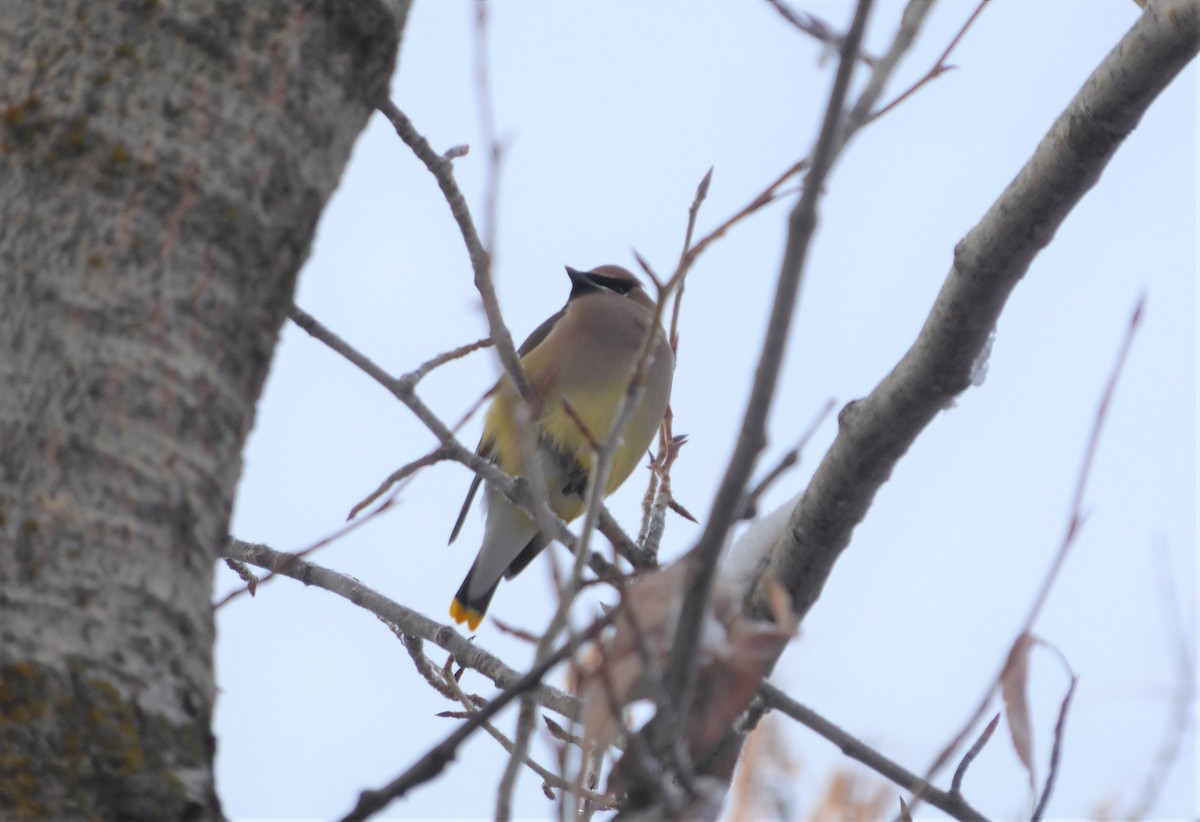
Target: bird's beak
x,y
581,282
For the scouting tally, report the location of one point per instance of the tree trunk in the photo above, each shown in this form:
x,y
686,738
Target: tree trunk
x,y
162,169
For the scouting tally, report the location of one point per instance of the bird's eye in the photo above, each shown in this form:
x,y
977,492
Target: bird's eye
x,y
621,286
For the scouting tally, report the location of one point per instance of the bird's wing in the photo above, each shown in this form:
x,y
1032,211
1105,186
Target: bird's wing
x,y
540,333
533,341
462,515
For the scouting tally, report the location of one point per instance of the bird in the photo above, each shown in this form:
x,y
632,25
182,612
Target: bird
x,y
585,354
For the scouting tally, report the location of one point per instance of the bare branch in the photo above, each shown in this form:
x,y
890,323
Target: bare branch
x,y
1181,717
749,505
447,685
441,359
245,574
407,620
974,751
950,802
640,559
684,256
424,667
655,518
876,431
304,552
764,198
681,671
1085,470
939,68
1055,752
593,503
910,23
399,475
403,389
434,762
815,27
1072,529
443,171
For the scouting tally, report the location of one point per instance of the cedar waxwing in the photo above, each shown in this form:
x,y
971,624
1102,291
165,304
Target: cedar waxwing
x,y
586,353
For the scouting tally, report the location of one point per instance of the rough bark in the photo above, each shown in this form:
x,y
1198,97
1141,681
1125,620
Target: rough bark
x,y
162,169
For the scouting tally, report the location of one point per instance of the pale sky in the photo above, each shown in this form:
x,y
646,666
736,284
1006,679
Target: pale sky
x,y
611,114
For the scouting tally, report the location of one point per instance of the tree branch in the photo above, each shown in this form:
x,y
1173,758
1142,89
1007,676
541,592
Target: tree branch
x,y
949,801
434,762
876,431
681,666
443,171
409,621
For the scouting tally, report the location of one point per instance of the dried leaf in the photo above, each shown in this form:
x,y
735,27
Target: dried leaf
x,y
780,603
853,794
735,653
766,776
1014,688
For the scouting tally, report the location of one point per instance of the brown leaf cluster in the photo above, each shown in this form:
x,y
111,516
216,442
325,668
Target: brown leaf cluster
x,y
735,653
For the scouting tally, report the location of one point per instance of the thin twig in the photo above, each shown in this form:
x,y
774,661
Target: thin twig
x,y
435,760
764,198
658,478
640,559
424,667
749,507
247,576
399,475
1055,751
960,773
911,20
815,27
938,69
950,802
580,425
685,255
403,389
424,368
876,431
407,620
681,669
487,127
663,499
1181,718
443,171
447,685
651,492
1072,530
594,495
328,539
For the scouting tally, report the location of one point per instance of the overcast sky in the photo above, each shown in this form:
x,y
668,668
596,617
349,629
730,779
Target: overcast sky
x,y
611,113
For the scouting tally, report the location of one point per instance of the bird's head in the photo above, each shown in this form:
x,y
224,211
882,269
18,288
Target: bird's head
x,y
612,278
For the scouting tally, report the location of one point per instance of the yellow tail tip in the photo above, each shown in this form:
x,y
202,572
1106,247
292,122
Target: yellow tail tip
x,y
461,613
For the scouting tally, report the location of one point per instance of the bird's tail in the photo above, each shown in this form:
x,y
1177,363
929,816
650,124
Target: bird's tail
x,y
471,608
